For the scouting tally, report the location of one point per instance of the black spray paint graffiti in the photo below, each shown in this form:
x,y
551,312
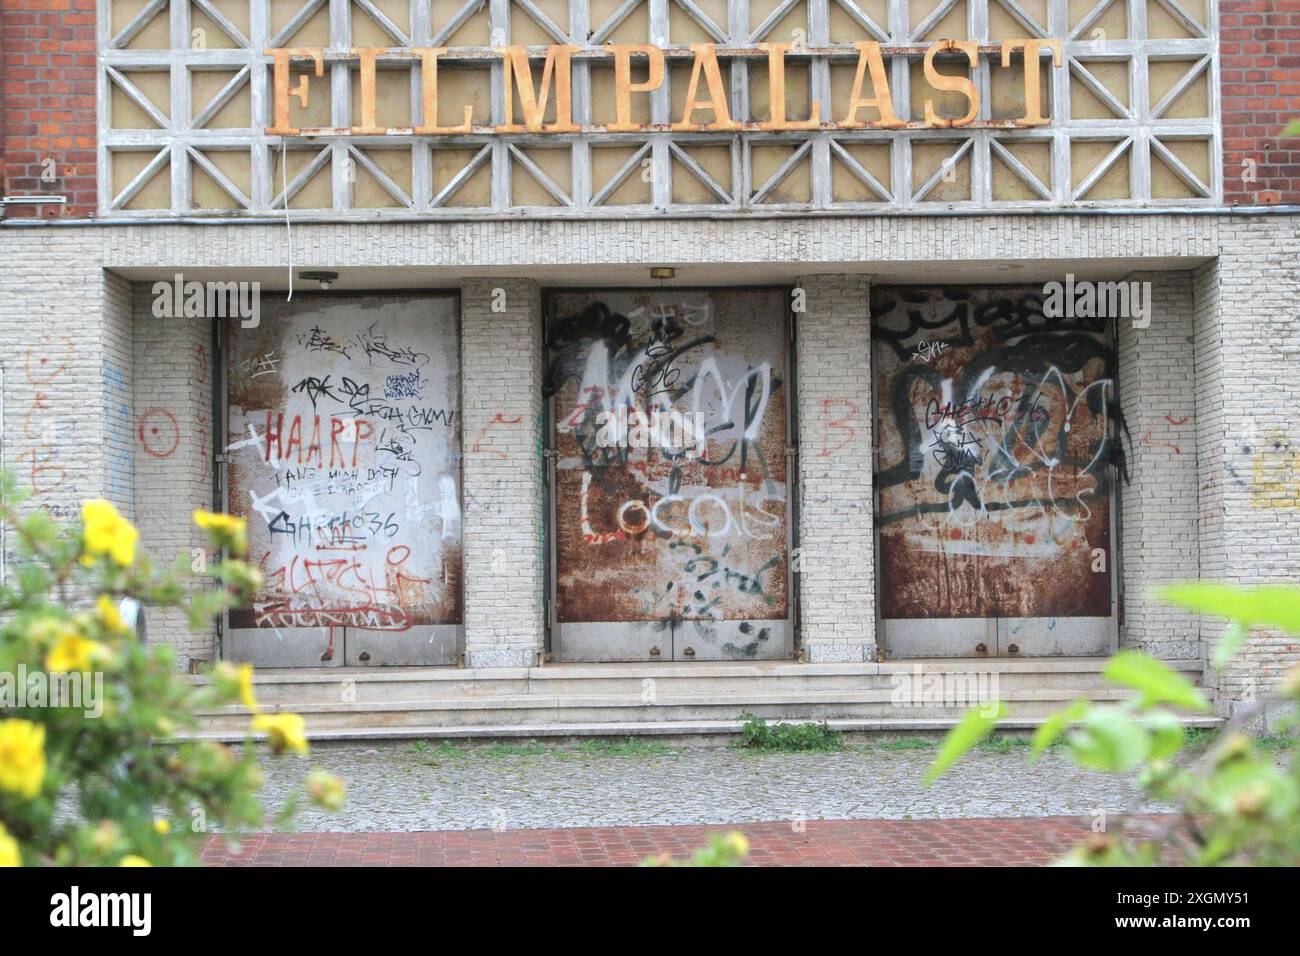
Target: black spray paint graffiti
x,y
996,446
1036,349
689,533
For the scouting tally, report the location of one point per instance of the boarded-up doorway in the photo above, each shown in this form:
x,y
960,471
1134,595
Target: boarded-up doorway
x,y
669,429
343,446
995,440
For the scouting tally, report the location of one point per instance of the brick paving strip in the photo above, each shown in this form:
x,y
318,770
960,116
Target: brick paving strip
x,y
1032,841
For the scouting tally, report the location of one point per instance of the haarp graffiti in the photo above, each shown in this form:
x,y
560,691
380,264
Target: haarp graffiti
x,y
345,459
997,428
684,521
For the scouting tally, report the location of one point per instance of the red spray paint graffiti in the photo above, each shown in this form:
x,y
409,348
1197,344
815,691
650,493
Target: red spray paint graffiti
x,y
158,432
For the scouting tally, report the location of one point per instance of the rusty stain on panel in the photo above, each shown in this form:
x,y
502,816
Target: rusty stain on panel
x,y
994,449
344,452
670,433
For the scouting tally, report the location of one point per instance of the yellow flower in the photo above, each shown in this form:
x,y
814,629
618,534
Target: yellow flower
x,y
285,731
162,826
105,836
74,653
214,521
22,757
8,849
132,860
108,533
325,790
227,530
738,843
109,616
242,677
246,687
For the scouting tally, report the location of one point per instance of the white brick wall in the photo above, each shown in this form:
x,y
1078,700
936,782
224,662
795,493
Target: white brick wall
x,y
118,377
1248,384
55,307
836,557
501,418
173,437
62,428
1159,507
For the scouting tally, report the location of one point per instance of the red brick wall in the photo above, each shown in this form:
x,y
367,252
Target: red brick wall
x,y
1259,43
47,103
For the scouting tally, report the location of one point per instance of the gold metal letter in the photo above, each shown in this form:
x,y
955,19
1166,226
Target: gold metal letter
x,y
706,59
367,93
952,84
624,87
776,92
281,90
429,80
558,62
1033,98
869,58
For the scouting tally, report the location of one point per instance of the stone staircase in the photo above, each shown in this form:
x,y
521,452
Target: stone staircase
x,y
680,700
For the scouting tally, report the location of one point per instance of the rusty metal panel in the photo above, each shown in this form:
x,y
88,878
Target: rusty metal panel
x,y
670,428
344,456
994,452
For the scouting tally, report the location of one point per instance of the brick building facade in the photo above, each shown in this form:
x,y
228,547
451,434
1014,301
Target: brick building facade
x,y
1168,171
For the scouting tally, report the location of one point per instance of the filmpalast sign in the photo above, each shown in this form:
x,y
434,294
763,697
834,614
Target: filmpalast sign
x,y
706,92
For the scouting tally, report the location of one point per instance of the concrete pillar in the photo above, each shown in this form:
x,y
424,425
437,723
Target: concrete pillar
x,y
835,560
504,493
59,324
1248,386
171,461
1159,508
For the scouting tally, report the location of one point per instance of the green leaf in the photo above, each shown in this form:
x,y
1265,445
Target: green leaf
x,y
40,528
1292,129
974,727
1253,780
1050,730
1276,605
1167,734
1218,849
1156,682
1233,637
1110,740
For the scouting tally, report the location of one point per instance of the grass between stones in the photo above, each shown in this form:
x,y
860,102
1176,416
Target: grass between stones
x,y
757,736
434,753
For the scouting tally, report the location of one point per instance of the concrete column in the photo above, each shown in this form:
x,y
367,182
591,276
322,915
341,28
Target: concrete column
x,y
1248,386
835,560
504,492
1159,508
171,460
59,325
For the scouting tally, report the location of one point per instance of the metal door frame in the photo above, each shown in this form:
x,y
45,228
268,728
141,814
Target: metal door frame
x,y
993,639
221,439
553,635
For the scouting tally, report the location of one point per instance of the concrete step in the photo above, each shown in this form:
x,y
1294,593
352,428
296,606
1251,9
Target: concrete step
x,y
687,732
535,709
356,703
374,685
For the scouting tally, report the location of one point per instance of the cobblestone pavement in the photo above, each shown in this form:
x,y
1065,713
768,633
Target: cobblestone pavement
x,y
1029,842
398,787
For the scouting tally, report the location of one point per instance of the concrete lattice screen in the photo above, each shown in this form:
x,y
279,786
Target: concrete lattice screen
x,y
186,97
